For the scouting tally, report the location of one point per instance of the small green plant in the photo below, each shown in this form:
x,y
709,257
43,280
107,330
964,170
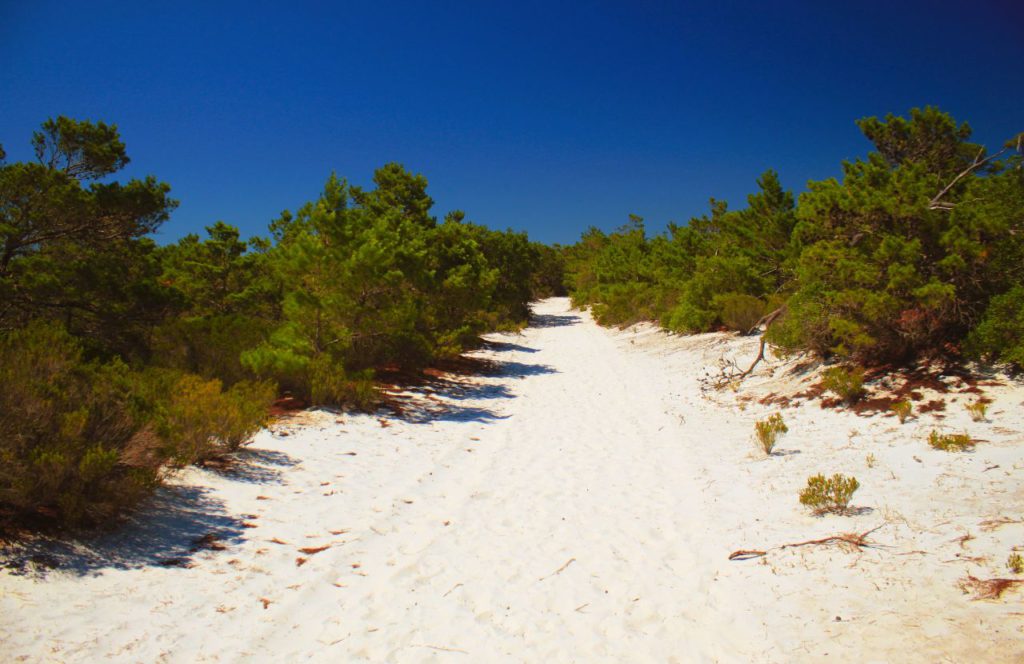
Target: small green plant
x,y
768,432
830,494
977,410
950,442
847,384
902,410
871,460
1015,563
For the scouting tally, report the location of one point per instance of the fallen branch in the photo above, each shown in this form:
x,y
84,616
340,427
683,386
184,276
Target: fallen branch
x,y
765,321
746,555
855,540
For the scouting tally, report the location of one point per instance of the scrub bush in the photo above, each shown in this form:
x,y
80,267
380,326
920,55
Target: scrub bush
x,y
847,384
832,494
902,409
65,428
950,442
977,410
768,432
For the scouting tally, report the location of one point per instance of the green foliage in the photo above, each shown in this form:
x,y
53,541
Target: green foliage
x,y
80,149
950,442
831,494
1015,563
72,252
917,245
903,409
549,275
122,356
846,383
886,271
768,432
370,280
197,419
1000,333
69,433
722,270
740,311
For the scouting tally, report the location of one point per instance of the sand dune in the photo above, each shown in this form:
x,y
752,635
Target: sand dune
x,y
578,503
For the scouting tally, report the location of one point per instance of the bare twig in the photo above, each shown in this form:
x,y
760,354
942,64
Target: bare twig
x,y
937,203
427,645
559,570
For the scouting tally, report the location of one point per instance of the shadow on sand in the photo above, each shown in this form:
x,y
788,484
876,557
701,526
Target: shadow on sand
x,y
506,347
180,523
554,320
254,466
169,529
443,397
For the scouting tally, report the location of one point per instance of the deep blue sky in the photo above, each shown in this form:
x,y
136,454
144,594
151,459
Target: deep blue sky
x,y
542,116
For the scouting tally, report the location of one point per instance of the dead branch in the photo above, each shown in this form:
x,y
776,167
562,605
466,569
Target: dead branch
x,y
743,554
857,540
854,540
767,320
938,204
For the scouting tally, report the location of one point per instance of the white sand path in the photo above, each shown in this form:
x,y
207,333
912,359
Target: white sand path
x,y
576,507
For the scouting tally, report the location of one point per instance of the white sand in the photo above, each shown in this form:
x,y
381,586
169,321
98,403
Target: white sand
x,y
579,507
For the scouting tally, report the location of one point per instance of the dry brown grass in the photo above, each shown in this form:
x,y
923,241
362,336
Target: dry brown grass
x,y
987,588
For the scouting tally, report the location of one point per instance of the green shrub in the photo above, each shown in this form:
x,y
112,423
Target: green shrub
x,y
1000,334
331,385
847,384
768,432
902,409
68,431
197,420
950,442
977,410
741,312
829,494
1015,563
